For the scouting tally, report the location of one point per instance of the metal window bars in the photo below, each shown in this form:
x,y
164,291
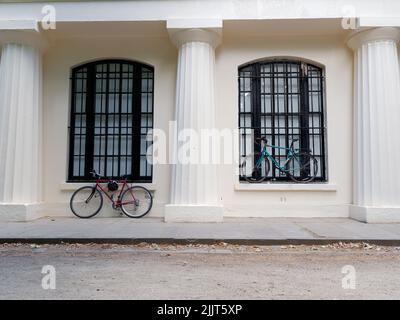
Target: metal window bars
x,y
282,100
111,114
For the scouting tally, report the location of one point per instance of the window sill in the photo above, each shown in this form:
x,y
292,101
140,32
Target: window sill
x,y
285,187
72,186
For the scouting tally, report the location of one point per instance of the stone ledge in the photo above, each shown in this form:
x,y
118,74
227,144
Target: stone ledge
x,y
285,187
72,186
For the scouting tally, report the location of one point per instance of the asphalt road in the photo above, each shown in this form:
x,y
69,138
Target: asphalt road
x,y
199,272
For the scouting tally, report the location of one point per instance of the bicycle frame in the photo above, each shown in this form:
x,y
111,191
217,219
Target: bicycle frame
x,y
118,201
265,153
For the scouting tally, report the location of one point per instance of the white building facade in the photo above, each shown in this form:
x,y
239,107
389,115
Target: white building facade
x,y
85,92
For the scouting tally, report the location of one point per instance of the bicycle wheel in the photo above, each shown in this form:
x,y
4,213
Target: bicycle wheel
x,y
254,173
136,202
86,202
302,167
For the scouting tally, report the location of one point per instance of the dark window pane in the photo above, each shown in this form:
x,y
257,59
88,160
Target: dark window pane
x,y
283,101
111,114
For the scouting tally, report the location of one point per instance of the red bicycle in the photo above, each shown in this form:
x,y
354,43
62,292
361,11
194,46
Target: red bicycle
x,y
134,201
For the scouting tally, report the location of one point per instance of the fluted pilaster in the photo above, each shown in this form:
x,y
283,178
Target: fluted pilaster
x,y
195,109
20,123
194,195
376,125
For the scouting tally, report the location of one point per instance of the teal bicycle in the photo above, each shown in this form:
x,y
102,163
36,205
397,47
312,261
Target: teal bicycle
x,y
301,167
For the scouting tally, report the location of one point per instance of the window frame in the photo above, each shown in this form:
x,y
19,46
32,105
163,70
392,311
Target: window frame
x,y
254,68
90,105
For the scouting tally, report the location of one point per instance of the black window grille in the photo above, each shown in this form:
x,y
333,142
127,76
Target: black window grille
x,y
111,114
282,100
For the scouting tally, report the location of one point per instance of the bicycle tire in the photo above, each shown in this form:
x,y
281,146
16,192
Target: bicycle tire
x,y
310,166
124,207
95,192
257,175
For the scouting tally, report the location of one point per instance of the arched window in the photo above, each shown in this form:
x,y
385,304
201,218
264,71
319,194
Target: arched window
x,y
111,113
282,100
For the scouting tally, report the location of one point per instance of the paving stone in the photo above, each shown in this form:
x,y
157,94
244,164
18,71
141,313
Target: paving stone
x,y
231,228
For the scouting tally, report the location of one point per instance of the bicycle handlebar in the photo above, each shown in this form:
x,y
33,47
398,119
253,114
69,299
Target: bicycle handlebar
x,y
293,141
95,174
259,140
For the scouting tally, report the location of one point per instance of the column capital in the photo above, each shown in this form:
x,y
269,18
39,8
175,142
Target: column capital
x,y
183,31
23,32
359,37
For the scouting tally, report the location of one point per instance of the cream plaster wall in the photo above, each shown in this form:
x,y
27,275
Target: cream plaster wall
x,y
63,55
330,51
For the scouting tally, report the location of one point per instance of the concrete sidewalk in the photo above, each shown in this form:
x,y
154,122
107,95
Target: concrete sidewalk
x,y
233,230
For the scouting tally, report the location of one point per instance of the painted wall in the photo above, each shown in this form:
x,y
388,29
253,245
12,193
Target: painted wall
x,y
58,61
319,200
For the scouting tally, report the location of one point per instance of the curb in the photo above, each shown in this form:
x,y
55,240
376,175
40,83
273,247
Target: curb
x,y
259,242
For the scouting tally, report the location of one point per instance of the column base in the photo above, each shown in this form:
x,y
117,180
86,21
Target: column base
x,y
375,214
12,212
193,213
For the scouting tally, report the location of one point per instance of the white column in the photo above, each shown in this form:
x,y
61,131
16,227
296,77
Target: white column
x,y
376,125
194,192
20,126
